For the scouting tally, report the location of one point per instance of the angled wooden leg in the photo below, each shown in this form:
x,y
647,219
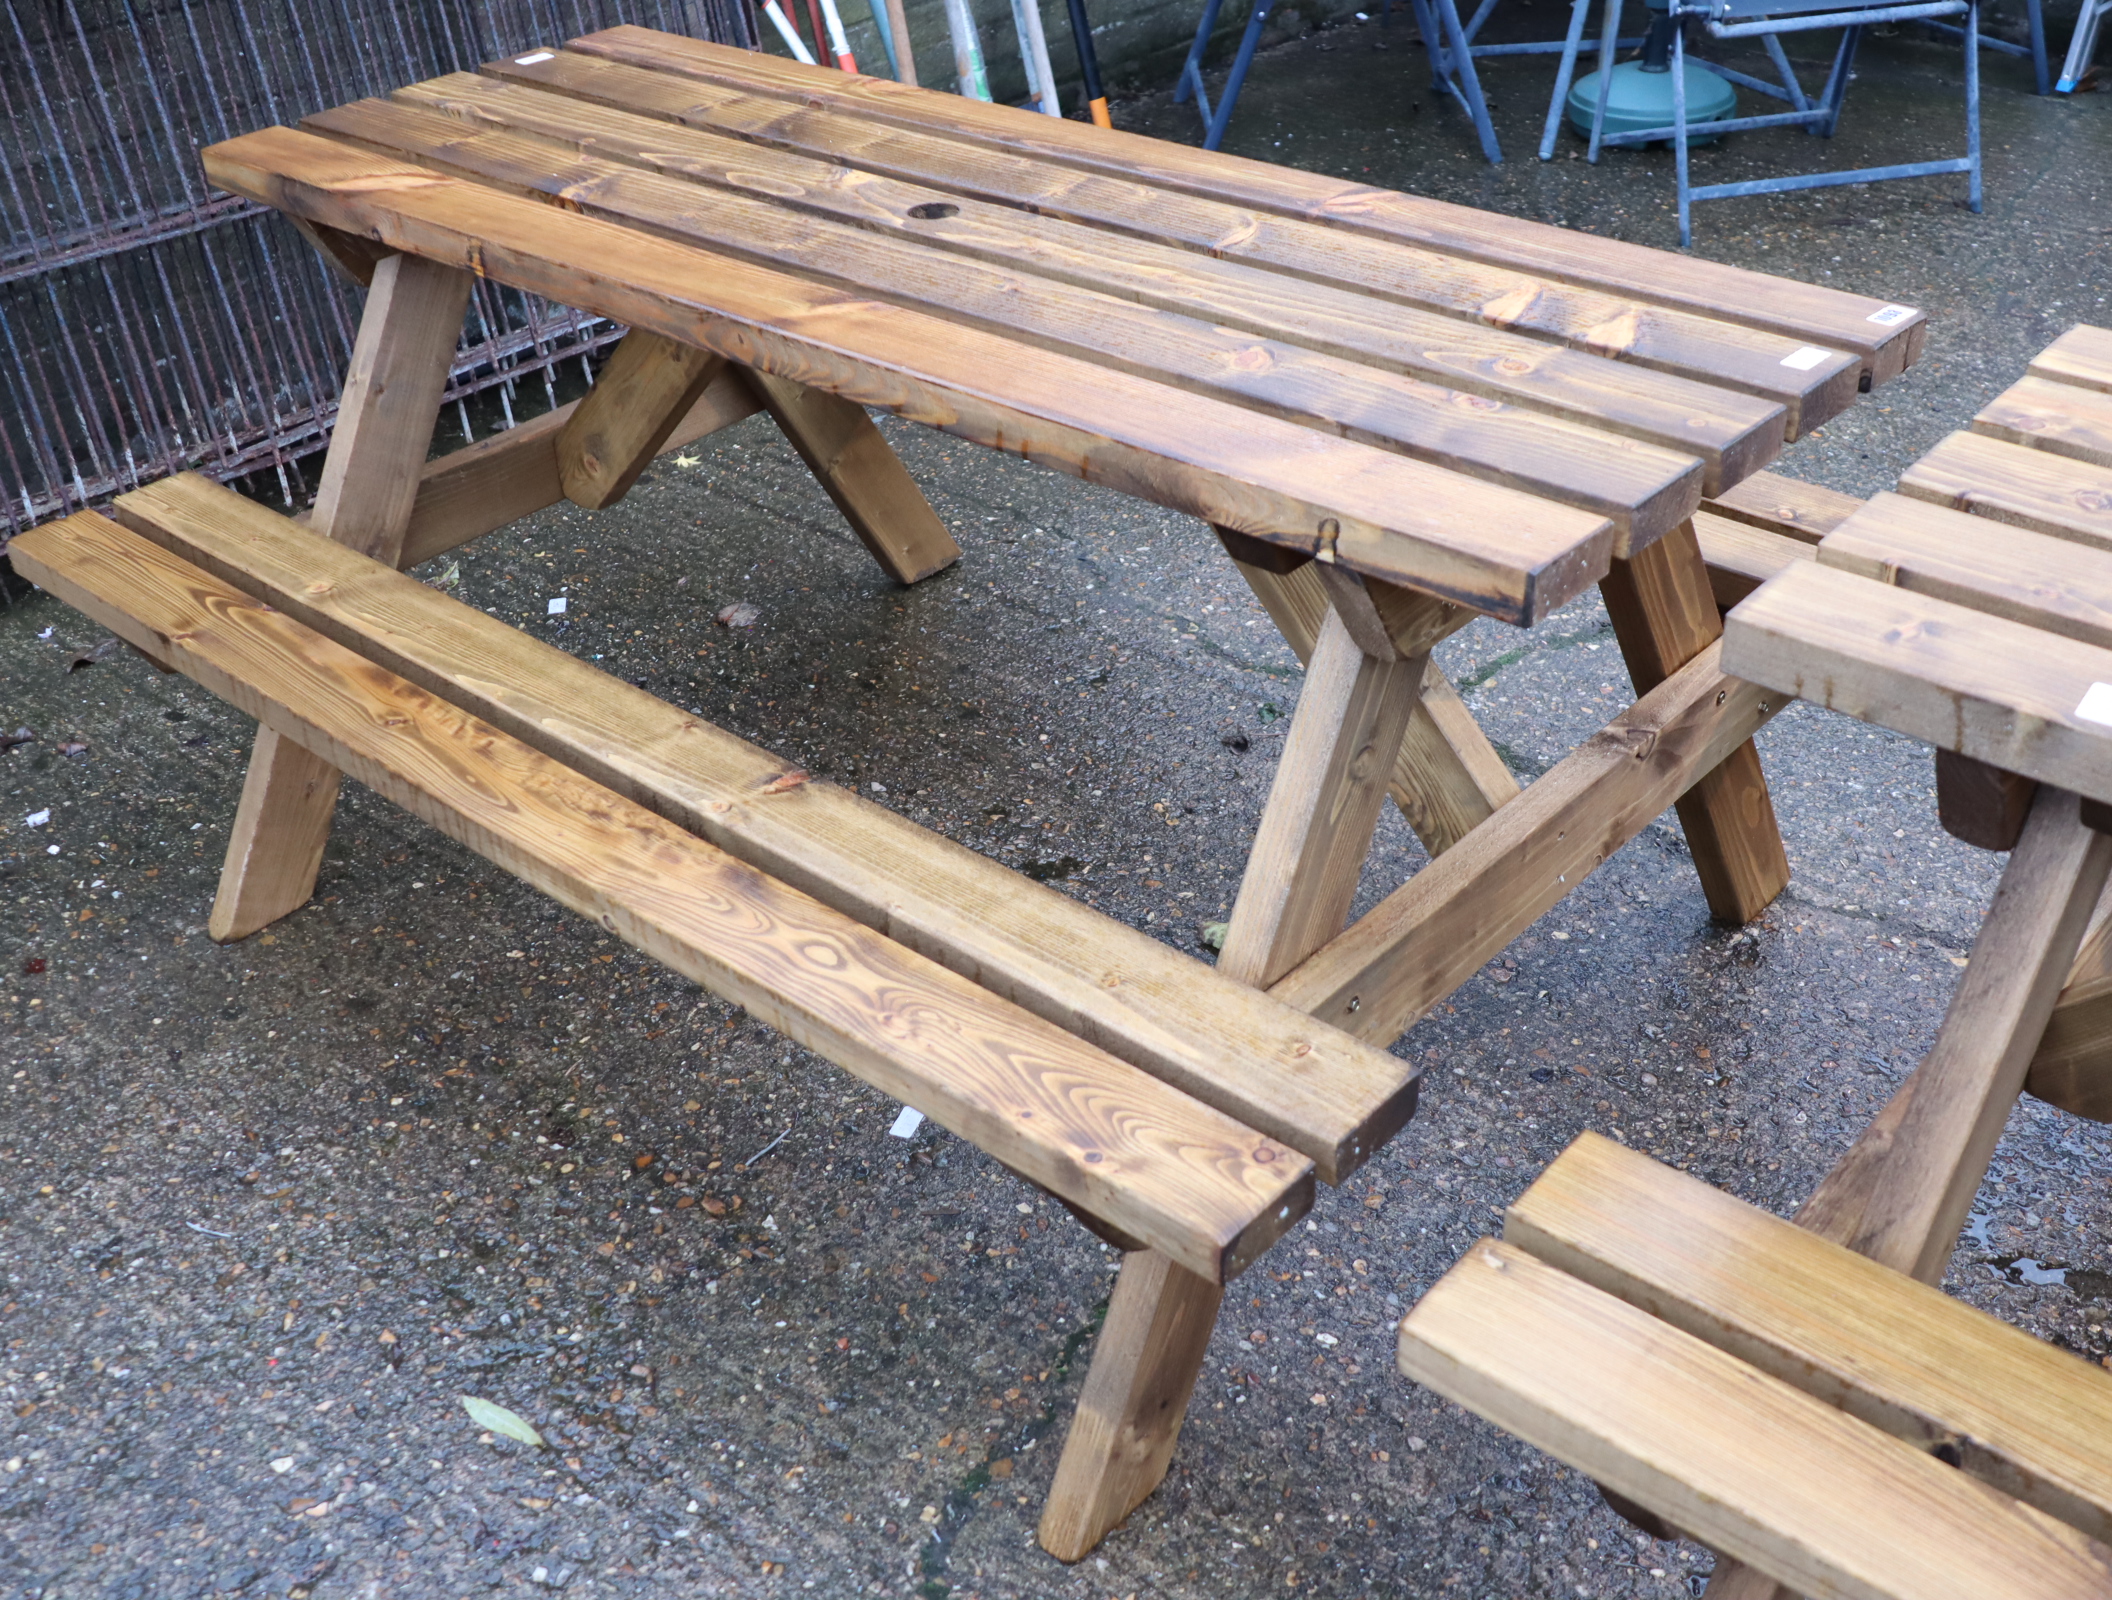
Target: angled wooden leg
x,y
1664,615
1145,1363
370,482
647,387
865,478
1316,831
1448,778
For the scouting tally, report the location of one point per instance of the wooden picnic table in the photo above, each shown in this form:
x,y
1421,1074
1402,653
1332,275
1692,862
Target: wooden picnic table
x,y
1398,415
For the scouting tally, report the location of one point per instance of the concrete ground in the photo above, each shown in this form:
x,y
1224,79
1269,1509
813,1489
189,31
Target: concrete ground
x,y
275,1208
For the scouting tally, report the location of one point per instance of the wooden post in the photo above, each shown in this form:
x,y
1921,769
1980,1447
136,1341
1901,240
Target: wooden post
x,y
1664,614
370,481
647,387
865,477
1145,1363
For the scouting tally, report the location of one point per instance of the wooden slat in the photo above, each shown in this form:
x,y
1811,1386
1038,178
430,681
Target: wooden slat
x,y
2032,1420
1720,354
1490,404
1501,551
1787,506
2072,1067
1757,1469
1741,557
2082,356
1984,686
499,480
1818,316
2059,418
2024,488
646,387
2055,585
1130,995
1114,1140
1437,930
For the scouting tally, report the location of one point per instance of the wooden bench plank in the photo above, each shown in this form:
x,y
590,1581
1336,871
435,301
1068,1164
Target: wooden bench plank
x,y
2059,418
2082,356
2029,1419
1501,551
2054,585
1723,355
1130,995
1105,1136
2024,488
1825,1504
1826,317
1492,405
1741,557
1787,506
1983,686
1437,930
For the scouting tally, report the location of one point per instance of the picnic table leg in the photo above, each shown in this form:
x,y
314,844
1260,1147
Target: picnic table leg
x,y
1664,615
646,388
384,429
1145,1363
863,475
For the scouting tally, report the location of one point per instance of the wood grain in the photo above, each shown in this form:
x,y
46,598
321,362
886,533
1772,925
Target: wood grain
x,y
1253,1058
1720,354
1437,930
2082,356
1817,316
1982,806
1391,517
1741,557
2072,1067
644,390
1188,1180
1996,690
1786,506
2023,1416
1823,1503
2059,418
2024,488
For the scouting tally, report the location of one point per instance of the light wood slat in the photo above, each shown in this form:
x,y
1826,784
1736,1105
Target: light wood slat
x,y
1786,506
1127,993
1983,686
1820,316
1531,414
2072,1067
2082,356
1735,433
1901,1193
1825,1504
2027,1418
2024,488
499,480
2059,418
1187,1180
1437,930
1741,557
1721,354
645,388
1500,551
2054,585
1315,832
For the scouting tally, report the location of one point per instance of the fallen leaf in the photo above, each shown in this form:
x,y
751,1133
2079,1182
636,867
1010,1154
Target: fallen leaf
x,y
20,736
1214,934
89,657
739,615
73,747
499,1420
449,578
791,778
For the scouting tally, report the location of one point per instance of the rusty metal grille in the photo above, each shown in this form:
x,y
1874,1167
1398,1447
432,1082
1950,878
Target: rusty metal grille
x,y
149,324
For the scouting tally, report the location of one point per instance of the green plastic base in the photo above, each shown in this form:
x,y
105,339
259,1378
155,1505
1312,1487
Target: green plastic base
x,y
1644,100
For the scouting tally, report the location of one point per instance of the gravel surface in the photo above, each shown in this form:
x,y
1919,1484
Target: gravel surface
x,y
276,1208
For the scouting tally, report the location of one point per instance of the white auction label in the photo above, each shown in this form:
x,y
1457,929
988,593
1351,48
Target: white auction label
x,y
556,608
1805,359
906,1125
1891,316
2097,704
537,57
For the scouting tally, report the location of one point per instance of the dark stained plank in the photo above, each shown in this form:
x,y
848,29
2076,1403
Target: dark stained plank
x,y
1787,506
1885,337
2024,488
1720,353
1497,550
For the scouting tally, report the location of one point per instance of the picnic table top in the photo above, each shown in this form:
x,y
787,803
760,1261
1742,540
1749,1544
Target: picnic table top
x,y
1483,408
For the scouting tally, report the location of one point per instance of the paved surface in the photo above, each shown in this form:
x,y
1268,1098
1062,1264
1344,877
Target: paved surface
x,y
272,1209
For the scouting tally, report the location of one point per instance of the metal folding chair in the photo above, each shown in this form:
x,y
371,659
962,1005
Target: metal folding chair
x,y
2083,45
1767,20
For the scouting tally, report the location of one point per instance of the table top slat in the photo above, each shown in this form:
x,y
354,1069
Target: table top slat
x,y
1647,490
1828,318
1499,550
2062,419
2024,488
2082,357
2032,578
1720,354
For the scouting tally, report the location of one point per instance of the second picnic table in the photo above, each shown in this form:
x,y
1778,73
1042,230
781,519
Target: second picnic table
x,y
1398,414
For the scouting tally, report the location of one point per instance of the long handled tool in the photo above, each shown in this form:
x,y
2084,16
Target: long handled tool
x,y
788,33
839,46
1089,65
967,51
904,58
1034,52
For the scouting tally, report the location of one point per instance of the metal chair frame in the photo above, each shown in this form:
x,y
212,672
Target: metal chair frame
x,y
2082,46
